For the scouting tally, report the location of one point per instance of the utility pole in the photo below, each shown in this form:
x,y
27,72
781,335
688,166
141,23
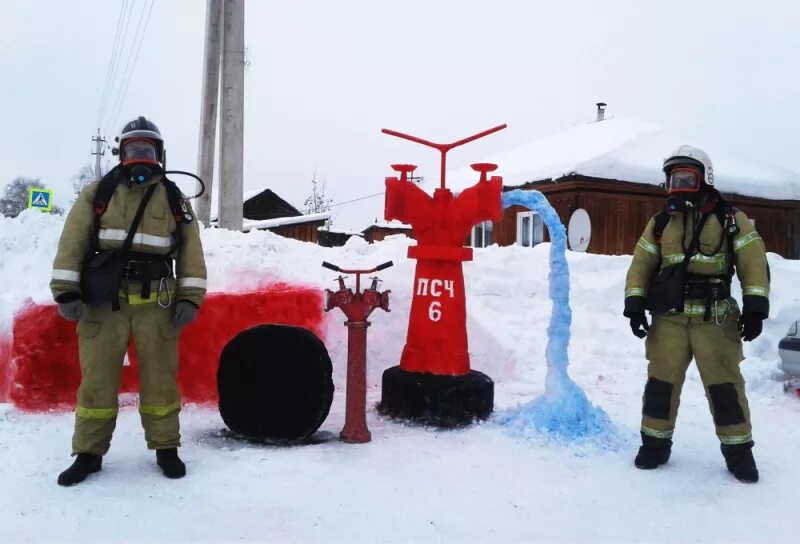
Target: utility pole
x,y
232,124
99,152
208,110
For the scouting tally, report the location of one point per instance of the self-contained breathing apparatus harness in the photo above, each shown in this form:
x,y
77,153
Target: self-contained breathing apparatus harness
x,y
143,267
711,289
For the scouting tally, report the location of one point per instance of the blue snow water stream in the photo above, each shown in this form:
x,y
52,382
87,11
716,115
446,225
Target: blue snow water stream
x,y
563,412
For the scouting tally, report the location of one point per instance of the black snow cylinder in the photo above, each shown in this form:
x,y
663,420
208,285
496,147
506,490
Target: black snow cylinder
x,y
436,400
275,382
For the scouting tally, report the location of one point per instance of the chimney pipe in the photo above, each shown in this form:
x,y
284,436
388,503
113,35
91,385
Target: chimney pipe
x,y
601,111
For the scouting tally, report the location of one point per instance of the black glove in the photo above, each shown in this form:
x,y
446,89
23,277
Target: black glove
x,y
72,310
639,325
185,313
750,326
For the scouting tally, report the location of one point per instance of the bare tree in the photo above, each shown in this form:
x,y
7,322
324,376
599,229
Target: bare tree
x,y
318,202
15,199
85,176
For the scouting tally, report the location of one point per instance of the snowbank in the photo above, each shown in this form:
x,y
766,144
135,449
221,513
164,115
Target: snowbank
x,y
412,484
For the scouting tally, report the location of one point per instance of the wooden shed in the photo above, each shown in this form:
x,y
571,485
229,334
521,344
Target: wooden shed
x,y
378,231
263,209
612,170
266,204
329,237
303,227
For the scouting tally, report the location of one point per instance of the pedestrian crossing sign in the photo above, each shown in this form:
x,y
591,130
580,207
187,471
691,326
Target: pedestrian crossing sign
x,y
41,199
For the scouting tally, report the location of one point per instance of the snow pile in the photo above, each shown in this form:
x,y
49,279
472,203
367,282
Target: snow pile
x,y
414,484
627,150
27,249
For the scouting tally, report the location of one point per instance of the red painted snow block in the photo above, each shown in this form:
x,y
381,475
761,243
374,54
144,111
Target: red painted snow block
x,y
43,372
44,359
5,366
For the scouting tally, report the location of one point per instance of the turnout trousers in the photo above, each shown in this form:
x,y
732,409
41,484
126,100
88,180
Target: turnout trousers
x,y
104,336
673,340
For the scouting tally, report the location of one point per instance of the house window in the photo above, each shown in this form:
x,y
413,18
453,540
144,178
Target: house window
x,y
530,229
482,234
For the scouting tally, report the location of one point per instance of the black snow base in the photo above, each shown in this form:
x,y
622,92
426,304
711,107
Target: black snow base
x,y
275,383
440,401
319,437
792,386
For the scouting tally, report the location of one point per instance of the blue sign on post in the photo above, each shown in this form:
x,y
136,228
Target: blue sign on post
x,y
41,199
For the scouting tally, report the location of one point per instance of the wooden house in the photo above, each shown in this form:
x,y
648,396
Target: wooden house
x,y
263,209
612,169
378,231
331,237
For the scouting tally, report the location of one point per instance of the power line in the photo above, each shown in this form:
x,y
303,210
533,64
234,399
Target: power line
x,y
136,35
115,65
115,57
130,67
416,179
112,62
357,199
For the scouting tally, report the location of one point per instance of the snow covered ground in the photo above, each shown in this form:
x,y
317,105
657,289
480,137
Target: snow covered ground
x,y
414,484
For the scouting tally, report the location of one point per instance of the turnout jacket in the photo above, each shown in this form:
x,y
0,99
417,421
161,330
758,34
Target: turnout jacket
x,y
155,235
713,259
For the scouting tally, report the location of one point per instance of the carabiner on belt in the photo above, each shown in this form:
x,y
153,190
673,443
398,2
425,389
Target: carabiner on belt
x,y
724,314
164,284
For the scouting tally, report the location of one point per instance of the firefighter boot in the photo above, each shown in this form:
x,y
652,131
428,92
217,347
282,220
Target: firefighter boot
x,y
171,465
740,462
653,452
85,464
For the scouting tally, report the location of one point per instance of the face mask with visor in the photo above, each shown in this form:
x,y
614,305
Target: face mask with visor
x,y
684,179
140,157
684,185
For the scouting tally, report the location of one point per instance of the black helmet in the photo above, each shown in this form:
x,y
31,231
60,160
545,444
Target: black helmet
x,y
142,128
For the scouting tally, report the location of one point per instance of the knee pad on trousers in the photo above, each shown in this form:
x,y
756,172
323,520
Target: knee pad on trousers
x,y
725,400
657,399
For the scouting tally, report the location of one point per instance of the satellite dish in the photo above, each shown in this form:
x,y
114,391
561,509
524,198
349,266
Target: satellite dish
x,y
579,231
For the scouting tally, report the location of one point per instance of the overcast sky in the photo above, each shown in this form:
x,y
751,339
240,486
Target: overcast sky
x,y
326,76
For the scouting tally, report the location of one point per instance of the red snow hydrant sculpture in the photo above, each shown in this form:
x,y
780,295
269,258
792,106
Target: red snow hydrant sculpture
x,y
356,306
434,383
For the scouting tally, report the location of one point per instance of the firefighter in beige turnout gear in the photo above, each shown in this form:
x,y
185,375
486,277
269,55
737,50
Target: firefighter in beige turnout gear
x,y
681,272
154,301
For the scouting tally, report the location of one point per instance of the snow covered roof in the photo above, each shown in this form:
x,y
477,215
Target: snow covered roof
x,y
393,224
249,195
249,224
626,150
255,192
349,232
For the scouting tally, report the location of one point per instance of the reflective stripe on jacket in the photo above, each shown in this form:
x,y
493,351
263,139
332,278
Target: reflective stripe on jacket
x,y
749,259
155,235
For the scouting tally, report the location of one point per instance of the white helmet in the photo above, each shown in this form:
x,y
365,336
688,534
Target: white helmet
x,y
687,154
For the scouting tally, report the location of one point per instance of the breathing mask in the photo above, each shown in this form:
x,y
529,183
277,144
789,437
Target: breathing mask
x,y
684,188
139,157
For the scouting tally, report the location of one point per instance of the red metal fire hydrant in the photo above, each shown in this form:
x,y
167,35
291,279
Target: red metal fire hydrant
x,y
434,383
356,307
